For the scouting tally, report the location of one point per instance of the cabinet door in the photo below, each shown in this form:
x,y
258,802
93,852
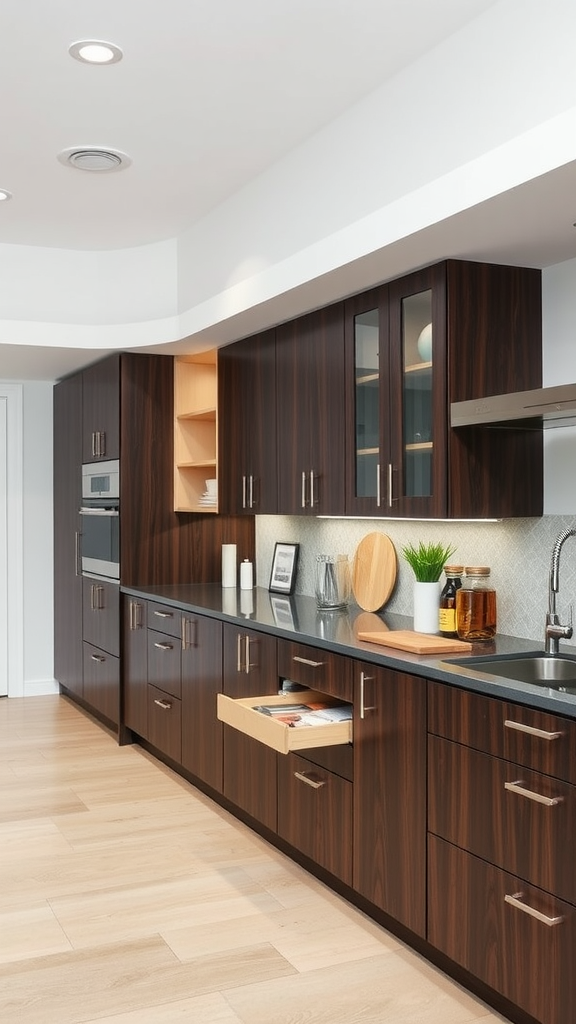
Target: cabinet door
x,y
101,614
247,460
516,938
165,722
390,793
135,667
68,657
310,395
101,410
201,661
164,662
102,682
315,814
417,475
250,668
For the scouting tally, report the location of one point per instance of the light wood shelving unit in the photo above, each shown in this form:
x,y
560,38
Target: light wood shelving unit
x,y
195,430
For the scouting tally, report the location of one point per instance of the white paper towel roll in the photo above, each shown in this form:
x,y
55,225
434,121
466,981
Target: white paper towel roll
x,y
229,565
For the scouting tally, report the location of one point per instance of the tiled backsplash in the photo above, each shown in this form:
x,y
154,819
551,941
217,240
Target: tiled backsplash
x,y
517,551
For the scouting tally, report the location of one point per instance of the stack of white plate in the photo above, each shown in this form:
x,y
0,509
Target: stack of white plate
x,y
210,497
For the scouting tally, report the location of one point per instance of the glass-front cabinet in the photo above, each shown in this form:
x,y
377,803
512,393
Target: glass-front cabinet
x,y
396,364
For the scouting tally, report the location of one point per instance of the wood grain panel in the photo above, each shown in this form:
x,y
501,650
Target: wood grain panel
x,y
102,682
526,960
201,661
316,669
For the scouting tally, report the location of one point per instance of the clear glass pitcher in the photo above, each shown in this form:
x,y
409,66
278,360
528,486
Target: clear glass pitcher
x,y
332,581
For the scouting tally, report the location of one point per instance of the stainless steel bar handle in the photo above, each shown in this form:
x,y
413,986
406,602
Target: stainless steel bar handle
x,y
243,491
184,633
363,709
532,730
98,657
239,652
517,787
94,451
164,704
303,502
96,597
164,646
164,615
517,901
251,491
311,488
307,661
315,783
138,616
101,443
100,598
77,556
378,494
389,486
131,616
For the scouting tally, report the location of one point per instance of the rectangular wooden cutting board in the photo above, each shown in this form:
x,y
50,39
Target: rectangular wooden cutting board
x,y
416,643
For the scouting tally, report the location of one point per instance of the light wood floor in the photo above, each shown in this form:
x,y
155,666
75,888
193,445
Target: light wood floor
x,y
128,897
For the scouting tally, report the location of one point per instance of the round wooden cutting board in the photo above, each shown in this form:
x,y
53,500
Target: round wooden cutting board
x,y
374,571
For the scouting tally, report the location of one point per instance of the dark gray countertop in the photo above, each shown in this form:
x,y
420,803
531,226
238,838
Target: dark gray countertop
x,y
298,618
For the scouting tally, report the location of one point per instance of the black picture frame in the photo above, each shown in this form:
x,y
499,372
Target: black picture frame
x,y
283,571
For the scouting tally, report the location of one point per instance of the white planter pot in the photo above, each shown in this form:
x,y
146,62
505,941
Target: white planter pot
x,y
426,606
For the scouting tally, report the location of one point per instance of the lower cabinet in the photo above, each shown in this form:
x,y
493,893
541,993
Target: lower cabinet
x,y
101,647
102,682
250,769
390,793
165,722
135,666
315,814
513,936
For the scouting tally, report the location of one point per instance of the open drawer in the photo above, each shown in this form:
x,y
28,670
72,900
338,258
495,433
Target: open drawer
x,y
243,714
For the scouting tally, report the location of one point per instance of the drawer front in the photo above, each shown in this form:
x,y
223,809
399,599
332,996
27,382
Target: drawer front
x,y
316,669
164,662
536,739
315,814
515,818
165,723
516,938
165,619
102,682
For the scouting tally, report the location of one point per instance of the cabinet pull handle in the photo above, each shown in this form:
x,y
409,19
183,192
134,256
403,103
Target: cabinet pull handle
x,y
77,556
135,615
97,657
363,709
307,661
303,502
164,615
243,491
390,498
378,494
532,730
164,647
517,900
96,597
311,488
310,780
517,787
102,443
164,704
251,491
187,633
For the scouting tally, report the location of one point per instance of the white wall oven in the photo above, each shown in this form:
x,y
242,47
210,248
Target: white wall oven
x,y
100,511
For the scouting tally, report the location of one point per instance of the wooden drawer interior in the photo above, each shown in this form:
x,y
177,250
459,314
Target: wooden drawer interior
x,y
241,714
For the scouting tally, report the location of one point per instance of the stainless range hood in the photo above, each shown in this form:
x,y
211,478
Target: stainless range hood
x,y
543,407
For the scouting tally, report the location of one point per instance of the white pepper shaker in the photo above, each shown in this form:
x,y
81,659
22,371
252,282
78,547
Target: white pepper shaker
x,y
246,575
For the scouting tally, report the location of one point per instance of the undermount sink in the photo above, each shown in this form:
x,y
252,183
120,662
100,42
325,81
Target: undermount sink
x,y
557,672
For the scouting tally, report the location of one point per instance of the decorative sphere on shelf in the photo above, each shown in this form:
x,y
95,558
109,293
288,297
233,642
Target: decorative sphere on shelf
x,y
425,343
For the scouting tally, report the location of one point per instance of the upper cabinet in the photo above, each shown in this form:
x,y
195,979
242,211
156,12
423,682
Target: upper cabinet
x,y
195,433
450,331
101,410
310,376
247,460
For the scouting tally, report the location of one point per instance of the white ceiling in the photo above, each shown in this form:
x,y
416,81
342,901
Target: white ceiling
x,y
207,96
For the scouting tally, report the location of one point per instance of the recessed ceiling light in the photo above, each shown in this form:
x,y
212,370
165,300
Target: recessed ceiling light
x,y
94,158
95,51
4,194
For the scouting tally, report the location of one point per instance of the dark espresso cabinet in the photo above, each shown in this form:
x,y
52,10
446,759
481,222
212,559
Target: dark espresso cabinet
x,y
451,331
201,666
247,459
101,410
310,393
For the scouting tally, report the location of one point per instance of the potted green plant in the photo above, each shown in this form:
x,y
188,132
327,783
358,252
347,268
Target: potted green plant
x,y
427,562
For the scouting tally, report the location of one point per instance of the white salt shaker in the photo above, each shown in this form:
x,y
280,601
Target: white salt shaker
x,y
246,575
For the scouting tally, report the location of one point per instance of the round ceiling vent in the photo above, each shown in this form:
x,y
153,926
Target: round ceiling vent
x,y
93,158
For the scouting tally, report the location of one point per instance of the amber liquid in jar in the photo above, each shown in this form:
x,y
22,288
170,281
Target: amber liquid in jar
x,y
476,608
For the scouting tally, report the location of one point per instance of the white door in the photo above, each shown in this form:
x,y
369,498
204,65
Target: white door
x,y
3,549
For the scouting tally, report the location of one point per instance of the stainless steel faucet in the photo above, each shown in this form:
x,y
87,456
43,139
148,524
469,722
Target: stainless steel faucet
x,y
555,631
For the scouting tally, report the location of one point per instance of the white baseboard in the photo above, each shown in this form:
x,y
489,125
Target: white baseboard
x,y
40,687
